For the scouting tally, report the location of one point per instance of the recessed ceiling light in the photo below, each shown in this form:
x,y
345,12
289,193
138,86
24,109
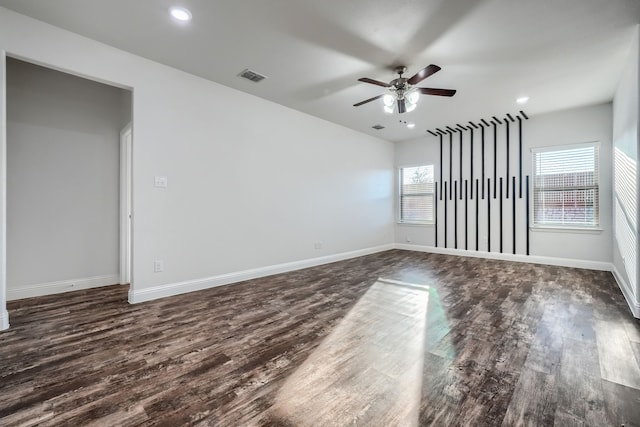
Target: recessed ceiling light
x,y
522,100
180,13
411,125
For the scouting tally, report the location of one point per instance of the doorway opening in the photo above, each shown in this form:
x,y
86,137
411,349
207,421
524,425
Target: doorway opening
x,y
68,173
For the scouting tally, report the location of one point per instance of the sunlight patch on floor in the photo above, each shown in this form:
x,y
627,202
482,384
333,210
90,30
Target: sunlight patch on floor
x,y
368,371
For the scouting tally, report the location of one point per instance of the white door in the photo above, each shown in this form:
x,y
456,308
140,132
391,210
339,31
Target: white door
x,y
125,204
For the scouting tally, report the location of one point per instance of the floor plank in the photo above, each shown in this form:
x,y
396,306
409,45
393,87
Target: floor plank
x,y
618,363
622,404
534,400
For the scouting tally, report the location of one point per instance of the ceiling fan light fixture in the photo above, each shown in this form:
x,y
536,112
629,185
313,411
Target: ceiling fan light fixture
x,y
403,92
412,96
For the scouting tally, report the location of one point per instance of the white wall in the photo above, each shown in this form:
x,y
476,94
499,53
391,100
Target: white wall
x,y
560,128
62,179
626,140
250,183
568,127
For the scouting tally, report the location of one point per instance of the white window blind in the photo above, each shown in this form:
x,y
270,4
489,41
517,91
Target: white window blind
x,y
626,240
565,186
626,190
625,214
416,194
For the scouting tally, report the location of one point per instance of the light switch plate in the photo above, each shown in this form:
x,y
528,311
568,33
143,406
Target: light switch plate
x,y
160,182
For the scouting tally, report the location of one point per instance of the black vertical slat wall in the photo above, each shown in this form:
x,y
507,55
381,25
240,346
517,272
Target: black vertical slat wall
x,y
507,179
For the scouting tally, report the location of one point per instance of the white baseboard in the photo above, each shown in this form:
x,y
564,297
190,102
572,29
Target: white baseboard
x,y
170,289
4,319
632,302
532,259
50,288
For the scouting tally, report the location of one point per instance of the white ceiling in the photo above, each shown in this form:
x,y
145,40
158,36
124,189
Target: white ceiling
x,y
561,53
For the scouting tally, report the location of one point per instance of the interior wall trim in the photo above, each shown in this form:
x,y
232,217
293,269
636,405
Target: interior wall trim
x,y
4,320
170,289
632,302
532,259
61,286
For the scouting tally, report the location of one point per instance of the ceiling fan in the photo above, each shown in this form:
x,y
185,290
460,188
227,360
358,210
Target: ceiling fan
x,y
403,92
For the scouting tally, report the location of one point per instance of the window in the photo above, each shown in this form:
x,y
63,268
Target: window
x,y
565,186
416,194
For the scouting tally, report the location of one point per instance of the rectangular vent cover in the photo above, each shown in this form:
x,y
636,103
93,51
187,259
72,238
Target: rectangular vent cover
x,y
378,127
252,75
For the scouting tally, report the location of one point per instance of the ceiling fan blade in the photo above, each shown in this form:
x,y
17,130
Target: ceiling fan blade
x,y
401,106
368,100
438,92
423,74
373,82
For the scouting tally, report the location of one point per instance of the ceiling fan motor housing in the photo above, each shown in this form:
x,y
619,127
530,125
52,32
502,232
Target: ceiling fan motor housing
x,y
400,87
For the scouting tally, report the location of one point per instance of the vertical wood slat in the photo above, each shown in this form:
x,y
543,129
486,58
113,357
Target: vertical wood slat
x,y
495,160
513,213
520,153
455,215
477,203
460,165
471,163
445,214
488,214
466,216
527,213
435,213
507,156
440,166
401,179
500,214
450,162
482,163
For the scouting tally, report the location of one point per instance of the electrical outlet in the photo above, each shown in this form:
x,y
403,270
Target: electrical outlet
x,y
158,266
318,245
408,239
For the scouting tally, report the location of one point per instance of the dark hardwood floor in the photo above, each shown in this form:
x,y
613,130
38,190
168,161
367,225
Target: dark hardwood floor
x,y
396,338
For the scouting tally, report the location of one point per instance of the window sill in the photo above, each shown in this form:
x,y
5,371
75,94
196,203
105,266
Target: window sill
x,y
561,229
418,224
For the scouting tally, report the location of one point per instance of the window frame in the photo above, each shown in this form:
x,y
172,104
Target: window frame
x,y
566,227
400,219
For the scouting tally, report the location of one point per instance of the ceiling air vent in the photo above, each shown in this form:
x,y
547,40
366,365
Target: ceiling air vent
x,y
252,75
377,127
